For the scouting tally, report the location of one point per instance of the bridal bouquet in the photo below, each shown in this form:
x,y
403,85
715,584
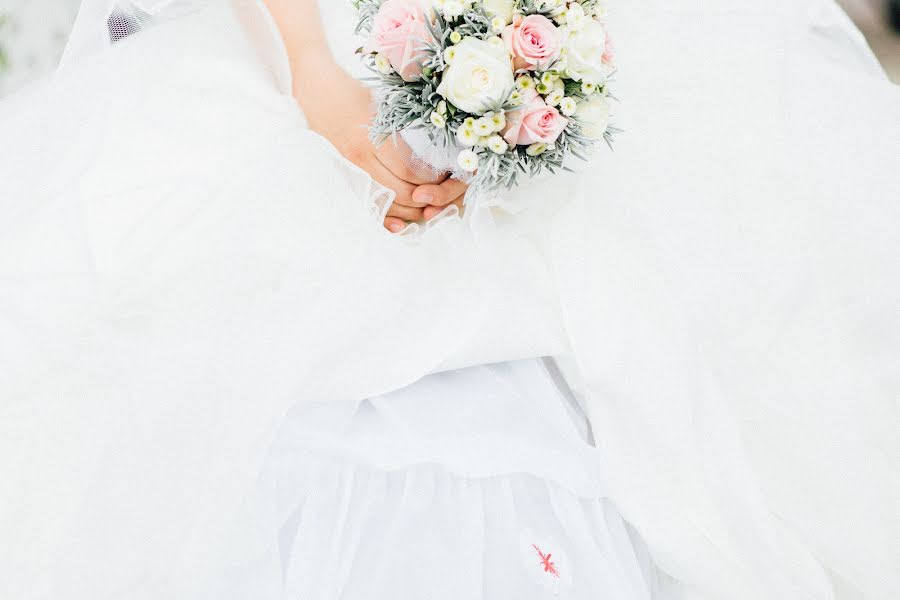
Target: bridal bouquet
x,y
500,88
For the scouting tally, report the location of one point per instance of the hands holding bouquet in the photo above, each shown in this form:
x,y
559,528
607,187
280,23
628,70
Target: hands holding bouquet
x,y
318,80
496,90
418,196
501,88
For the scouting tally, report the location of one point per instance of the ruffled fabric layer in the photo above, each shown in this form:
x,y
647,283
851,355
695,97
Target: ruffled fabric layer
x,y
471,484
348,530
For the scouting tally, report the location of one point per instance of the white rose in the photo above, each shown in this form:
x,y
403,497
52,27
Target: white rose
x,y
502,9
479,78
594,116
575,17
584,53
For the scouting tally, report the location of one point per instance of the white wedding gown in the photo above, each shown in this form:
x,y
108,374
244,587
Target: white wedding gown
x,y
456,486
219,377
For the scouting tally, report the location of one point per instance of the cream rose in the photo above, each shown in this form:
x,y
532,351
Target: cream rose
x,y
500,8
584,53
479,78
594,117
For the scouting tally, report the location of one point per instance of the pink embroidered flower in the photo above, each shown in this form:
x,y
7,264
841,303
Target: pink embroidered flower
x,y
546,563
399,31
533,41
533,122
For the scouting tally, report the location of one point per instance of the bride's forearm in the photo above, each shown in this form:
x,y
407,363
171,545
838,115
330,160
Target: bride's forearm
x,y
312,65
340,108
301,27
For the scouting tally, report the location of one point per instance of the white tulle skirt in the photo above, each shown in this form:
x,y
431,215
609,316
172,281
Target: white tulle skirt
x,y
472,484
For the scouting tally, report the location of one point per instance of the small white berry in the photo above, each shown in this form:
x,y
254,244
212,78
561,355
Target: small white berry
x,y
383,65
555,97
466,136
468,161
497,145
568,106
483,126
499,121
536,149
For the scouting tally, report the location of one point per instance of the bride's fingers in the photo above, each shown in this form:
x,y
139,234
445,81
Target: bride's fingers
x,y
441,194
407,200
403,190
394,225
395,158
405,212
431,212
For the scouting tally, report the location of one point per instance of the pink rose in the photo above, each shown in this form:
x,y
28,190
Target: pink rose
x,y
399,31
533,122
533,41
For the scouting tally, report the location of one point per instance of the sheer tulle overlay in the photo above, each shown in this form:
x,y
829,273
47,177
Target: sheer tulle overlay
x,y
458,486
182,262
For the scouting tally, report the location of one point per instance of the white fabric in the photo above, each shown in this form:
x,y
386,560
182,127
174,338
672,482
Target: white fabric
x,y
445,489
481,421
181,262
746,305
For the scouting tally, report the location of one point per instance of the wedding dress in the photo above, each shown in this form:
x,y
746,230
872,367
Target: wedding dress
x,y
191,281
475,483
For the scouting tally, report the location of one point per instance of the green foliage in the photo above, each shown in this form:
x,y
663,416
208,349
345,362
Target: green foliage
x,y
367,11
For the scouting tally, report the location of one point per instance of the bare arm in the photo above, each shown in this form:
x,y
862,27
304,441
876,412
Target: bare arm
x,y
311,60
345,126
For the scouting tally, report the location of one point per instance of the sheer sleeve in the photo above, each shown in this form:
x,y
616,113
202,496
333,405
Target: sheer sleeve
x,y
102,24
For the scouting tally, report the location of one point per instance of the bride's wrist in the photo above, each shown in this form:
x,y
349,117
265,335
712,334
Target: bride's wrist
x,y
331,100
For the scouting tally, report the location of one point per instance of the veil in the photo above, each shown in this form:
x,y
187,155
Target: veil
x,y
102,23
728,301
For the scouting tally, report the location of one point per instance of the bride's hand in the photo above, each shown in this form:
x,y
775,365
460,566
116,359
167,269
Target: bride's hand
x,y
340,108
439,197
345,125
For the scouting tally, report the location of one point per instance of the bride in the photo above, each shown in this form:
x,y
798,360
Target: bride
x,y
672,375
